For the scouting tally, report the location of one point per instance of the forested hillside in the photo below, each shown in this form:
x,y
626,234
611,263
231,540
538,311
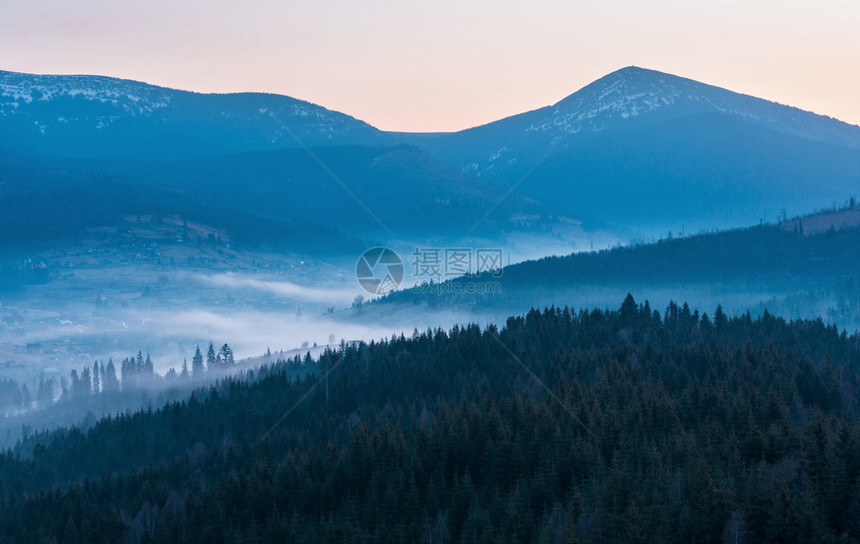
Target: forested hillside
x,y
404,188
762,253
759,267
43,205
592,426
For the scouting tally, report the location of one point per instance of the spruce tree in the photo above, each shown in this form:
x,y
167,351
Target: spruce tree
x,y
197,368
211,362
226,356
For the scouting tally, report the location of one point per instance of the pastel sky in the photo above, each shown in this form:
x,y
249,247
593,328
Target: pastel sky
x,y
445,64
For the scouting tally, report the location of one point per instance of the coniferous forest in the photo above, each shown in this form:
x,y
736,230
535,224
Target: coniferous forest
x,y
632,425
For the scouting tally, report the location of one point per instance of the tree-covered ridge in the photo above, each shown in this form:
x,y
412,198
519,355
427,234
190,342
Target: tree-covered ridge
x,y
804,275
44,204
105,386
84,396
765,253
596,426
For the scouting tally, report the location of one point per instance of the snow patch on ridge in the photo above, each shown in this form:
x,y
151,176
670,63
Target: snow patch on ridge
x,y
633,92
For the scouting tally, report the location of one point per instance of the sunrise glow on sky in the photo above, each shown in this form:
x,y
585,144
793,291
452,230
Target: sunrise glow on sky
x,y
446,65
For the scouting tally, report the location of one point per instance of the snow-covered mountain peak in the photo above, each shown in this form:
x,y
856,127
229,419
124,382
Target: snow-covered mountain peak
x,y
627,93
637,93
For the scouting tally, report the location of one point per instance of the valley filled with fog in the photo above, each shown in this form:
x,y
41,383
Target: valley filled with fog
x,y
160,288
185,277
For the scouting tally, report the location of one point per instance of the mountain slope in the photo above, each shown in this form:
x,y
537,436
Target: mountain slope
x,y
260,153
93,116
637,148
53,206
644,148
558,427
756,267
358,189
635,92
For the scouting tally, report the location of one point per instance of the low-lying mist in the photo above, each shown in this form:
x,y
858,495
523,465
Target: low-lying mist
x,y
59,333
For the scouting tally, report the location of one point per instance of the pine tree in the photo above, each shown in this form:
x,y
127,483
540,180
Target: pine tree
x,y
127,374
109,380
86,383
97,382
26,397
45,393
75,389
226,356
148,369
720,319
197,368
211,362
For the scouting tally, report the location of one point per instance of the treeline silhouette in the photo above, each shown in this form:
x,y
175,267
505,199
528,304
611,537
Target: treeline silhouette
x,y
102,383
593,426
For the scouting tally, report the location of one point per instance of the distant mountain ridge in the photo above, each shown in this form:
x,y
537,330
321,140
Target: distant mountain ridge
x,y
621,96
643,148
638,149
636,92
96,116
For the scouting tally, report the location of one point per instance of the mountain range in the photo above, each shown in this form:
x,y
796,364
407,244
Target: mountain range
x,y
148,220
636,149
